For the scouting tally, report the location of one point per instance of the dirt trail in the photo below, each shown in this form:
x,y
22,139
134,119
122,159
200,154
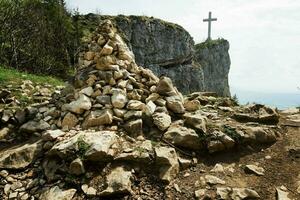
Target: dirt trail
x,y
281,162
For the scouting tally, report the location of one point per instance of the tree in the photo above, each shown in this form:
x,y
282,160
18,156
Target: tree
x,y
36,36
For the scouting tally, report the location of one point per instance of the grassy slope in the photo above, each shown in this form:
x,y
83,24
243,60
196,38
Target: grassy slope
x,y
13,76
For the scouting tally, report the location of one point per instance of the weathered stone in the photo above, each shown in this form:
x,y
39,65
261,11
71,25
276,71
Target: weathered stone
x,y
103,99
106,63
89,191
183,137
95,146
192,106
140,152
118,182
50,166
220,143
282,193
80,105
224,192
133,114
259,134
88,91
255,169
4,132
70,120
33,126
135,127
213,180
201,194
55,193
167,161
135,105
174,103
77,167
118,99
20,156
196,121
215,146
165,87
161,120
97,118
244,193
89,55
106,50
52,135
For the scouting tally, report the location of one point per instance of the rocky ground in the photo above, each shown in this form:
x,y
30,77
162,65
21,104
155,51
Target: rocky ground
x,y
120,132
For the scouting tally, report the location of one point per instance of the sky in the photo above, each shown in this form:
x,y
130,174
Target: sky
x,y
264,35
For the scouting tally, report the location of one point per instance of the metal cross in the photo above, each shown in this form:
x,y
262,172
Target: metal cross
x,y
209,20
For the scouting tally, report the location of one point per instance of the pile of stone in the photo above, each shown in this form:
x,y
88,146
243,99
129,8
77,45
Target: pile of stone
x,y
120,116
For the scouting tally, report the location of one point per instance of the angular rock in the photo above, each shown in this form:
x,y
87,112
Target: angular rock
x,y
77,167
97,118
70,120
167,161
220,142
196,121
174,103
80,105
161,120
55,193
118,99
134,127
201,194
255,169
89,191
88,91
118,182
95,146
21,156
103,99
4,132
135,105
244,193
213,180
140,152
224,192
259,134
281,193
52,135
33,126
192,106
165,87
183,137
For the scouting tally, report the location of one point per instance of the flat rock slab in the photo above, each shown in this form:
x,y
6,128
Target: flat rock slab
x,y
95,146
55,193
20,156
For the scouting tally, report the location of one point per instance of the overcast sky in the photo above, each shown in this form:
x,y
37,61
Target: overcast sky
x,y
264,35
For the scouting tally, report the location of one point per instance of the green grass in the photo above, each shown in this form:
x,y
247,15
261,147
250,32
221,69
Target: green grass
x,y
13,76
209,43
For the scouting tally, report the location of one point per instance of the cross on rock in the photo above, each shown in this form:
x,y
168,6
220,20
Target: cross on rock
x,y
209,20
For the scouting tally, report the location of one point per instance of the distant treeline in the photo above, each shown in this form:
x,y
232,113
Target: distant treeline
x,y
38,36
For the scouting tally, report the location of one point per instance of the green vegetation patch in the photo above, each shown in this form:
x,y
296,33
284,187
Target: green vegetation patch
x,y
209,43
13,76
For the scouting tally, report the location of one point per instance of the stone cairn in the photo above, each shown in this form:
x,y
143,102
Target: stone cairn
x,y
122,116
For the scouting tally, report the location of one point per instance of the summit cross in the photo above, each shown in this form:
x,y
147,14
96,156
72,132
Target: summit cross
x,y
209,20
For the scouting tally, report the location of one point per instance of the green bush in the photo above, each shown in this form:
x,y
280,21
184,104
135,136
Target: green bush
x,y
37,36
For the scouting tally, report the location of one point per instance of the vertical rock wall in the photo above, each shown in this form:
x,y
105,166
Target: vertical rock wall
x,y
214,58
168,49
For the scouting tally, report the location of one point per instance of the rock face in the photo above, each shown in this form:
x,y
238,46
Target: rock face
x,y
214,58
168,49
20,156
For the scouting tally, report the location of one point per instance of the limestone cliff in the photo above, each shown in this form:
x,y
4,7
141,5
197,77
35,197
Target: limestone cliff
x,y
168,49
214,58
